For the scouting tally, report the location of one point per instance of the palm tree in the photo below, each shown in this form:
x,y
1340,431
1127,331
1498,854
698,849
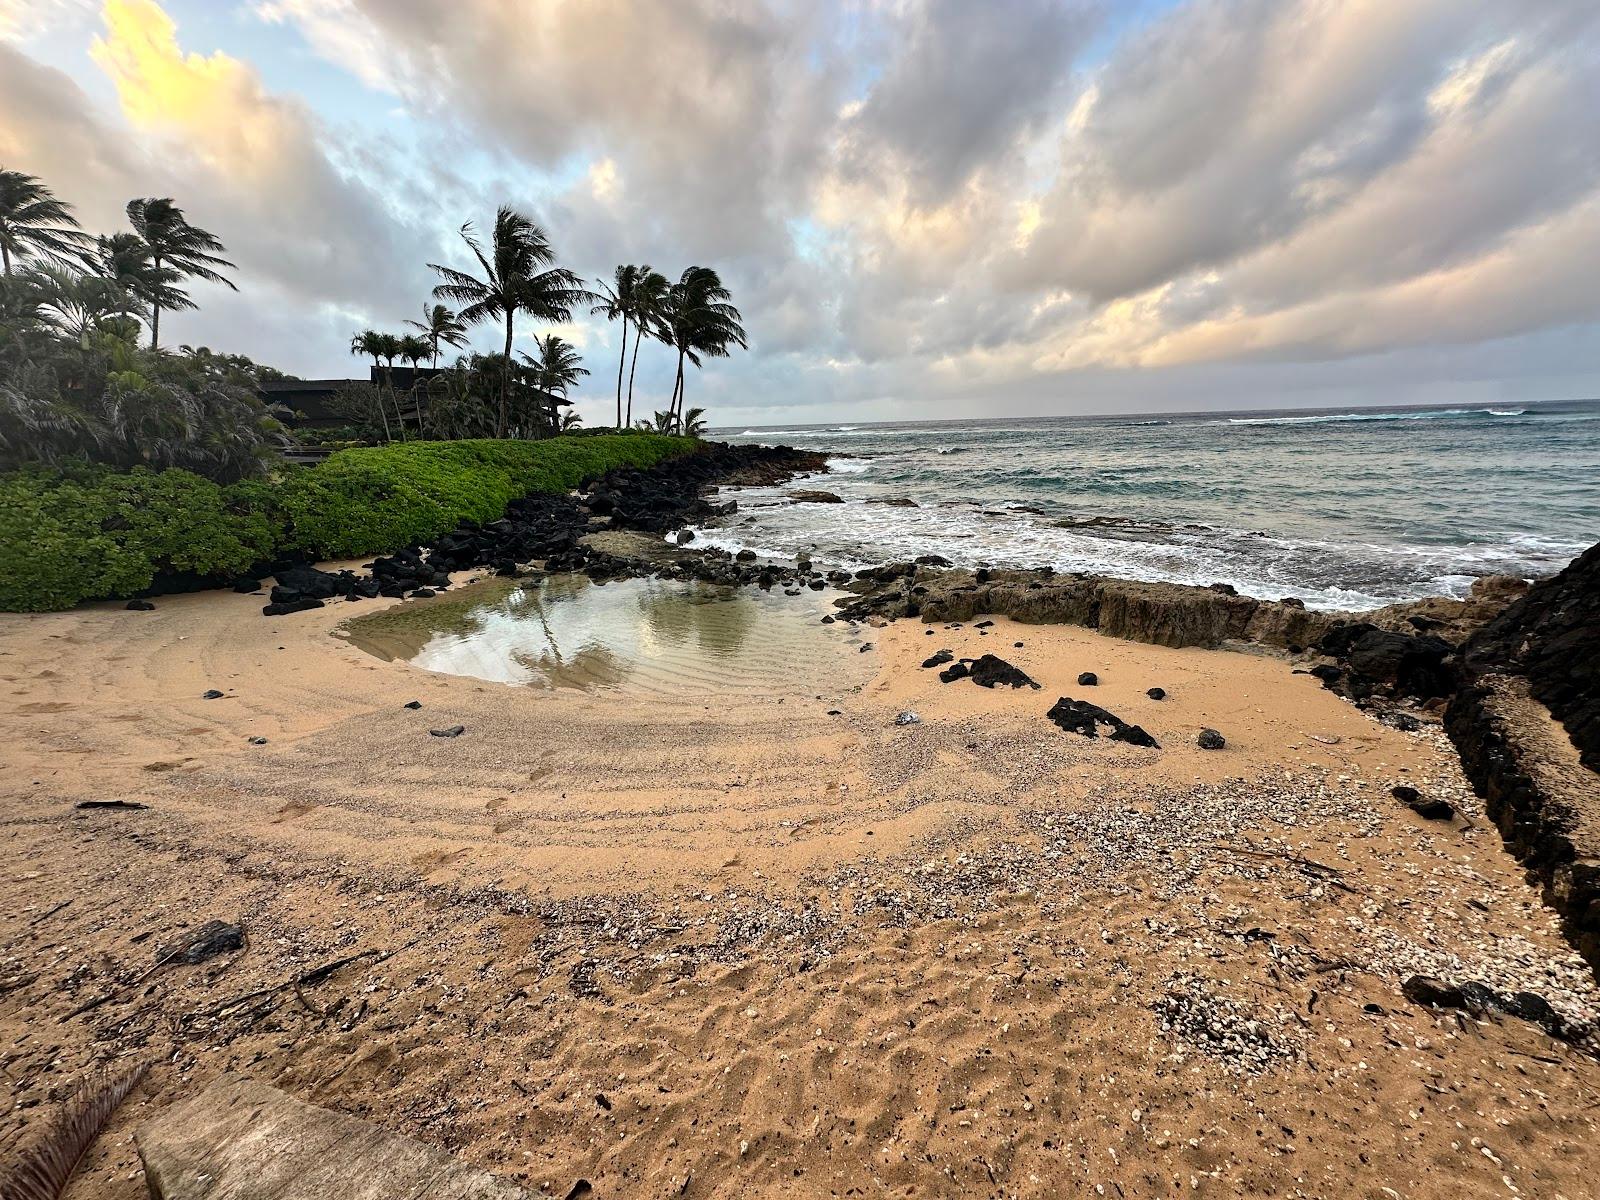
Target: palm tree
x,y
185,251
440,327
570,420
369,343
33,223
617,303
557,368
125,259
517,277
694,424
81,304
697,319
414,349
649,299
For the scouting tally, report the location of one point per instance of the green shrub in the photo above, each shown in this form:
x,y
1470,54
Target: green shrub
x,y
53,552
84,533
374,500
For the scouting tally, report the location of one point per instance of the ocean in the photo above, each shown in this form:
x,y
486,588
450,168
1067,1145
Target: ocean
x,y
1347,508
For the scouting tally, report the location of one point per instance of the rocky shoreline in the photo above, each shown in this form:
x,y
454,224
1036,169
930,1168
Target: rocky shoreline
x,y
1497,666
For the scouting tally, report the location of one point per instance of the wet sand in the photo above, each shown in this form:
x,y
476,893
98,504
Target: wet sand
x,y
773,944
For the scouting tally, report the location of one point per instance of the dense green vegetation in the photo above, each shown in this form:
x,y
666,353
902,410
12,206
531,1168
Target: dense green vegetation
x,y
122,460
89,532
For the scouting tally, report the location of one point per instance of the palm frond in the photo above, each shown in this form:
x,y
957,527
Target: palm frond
x,y
42,1171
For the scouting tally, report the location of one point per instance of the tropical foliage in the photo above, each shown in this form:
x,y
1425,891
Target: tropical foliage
x,y
88,532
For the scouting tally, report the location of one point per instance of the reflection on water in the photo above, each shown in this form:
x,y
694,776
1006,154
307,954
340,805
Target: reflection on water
x,y
642,634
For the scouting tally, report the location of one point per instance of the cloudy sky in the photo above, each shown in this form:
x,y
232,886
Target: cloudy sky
x,y
925,208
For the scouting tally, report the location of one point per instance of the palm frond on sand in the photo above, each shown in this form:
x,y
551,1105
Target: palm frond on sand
x,y
42,1169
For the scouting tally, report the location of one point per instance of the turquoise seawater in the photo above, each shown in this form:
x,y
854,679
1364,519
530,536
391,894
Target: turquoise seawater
x,y
1343,508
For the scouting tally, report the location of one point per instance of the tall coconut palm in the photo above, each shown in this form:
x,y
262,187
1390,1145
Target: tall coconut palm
x,y
183,250
517,277
440,327
617,304
558,367
369,343
698,320
649,300
33,223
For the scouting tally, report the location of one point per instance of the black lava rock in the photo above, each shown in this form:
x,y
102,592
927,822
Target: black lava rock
x,y
412,704
1088,679
955,671
1156,693
1433,808
990,671
1082,717
1210,739
937,660
140,606
453,731
211,694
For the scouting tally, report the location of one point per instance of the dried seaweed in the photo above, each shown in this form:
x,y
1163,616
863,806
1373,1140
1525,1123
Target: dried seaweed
x,y
41,1171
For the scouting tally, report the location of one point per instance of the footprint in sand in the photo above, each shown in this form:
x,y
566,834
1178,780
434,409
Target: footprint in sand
x,y
46,706
430,861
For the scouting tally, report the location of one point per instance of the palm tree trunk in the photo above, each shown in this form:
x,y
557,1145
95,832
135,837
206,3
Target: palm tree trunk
x,y
638,337
5,256
677,393
620,359
155,307
505,382
383,409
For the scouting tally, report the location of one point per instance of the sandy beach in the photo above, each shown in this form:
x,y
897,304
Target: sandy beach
x,y
775,944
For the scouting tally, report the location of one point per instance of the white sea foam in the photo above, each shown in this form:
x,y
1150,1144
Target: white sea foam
x,y
1338,418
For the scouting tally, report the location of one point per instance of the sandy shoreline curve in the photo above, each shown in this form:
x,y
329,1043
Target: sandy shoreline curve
x,y
798,949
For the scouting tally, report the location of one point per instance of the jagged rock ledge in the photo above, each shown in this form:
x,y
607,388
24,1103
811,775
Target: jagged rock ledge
x,y
1526,721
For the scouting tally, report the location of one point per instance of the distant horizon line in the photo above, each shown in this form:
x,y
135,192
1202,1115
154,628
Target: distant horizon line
x,y
1167,415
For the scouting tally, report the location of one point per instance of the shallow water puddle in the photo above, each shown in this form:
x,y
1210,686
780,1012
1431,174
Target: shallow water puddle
x,y
650,635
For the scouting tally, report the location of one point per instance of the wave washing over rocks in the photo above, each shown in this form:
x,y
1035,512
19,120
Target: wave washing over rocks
x,y
1341,509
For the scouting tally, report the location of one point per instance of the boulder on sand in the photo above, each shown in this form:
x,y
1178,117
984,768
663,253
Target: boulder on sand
x,y
1084,718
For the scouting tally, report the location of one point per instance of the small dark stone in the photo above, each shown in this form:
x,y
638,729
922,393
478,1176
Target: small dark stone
x,y
211,694
955,671
865,646
412,704
1210,739
1088,679
1156,693
984,625
830,620
1427,807
423,593
258,741
453,731
140,606
937,660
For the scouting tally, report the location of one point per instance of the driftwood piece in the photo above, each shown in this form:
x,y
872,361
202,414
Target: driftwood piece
x,y
242,1140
